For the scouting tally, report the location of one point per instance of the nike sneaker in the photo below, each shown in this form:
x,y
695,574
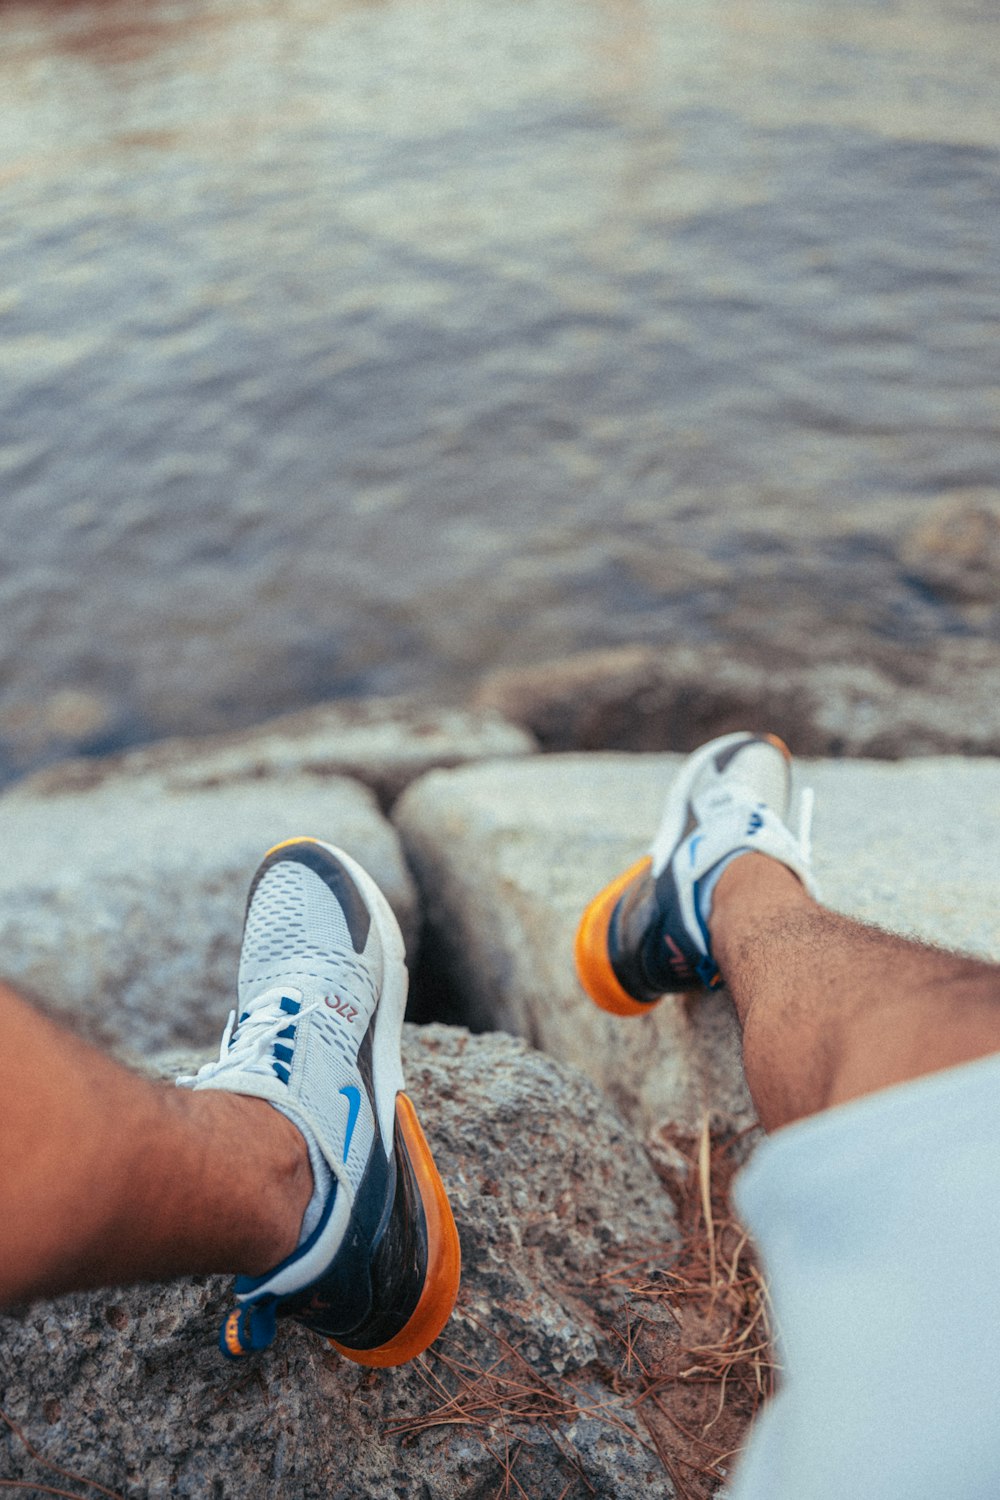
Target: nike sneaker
x,y
321,992
646,934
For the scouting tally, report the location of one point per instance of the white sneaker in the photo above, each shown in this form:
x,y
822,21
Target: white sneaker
x,y
646,934
322,991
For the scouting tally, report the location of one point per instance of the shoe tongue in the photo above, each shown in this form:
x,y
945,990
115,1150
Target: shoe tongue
x,y
713,799
760,773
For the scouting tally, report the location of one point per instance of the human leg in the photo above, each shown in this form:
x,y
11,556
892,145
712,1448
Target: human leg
x,y
877,1221
107,1177
830,1008
295,1159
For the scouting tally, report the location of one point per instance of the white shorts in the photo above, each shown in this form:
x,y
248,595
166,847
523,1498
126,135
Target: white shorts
x,y
879,1226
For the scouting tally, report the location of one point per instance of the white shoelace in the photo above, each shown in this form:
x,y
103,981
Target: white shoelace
x,y
251,1051
806,804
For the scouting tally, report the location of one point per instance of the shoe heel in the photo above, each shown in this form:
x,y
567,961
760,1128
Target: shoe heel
x,y
590,950
247,1329
443,1253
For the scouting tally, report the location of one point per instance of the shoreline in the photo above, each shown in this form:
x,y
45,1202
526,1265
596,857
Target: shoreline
x,y
635,697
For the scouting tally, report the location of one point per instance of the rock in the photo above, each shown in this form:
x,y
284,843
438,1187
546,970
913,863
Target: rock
x,y
62,718
640,698
955,551
912,847
384,743
122,909
549,1191
36,725
507,857
505,865
592,700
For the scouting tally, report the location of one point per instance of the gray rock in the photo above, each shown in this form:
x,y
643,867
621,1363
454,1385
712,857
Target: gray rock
x,y
384,743
641,698
122,909
914,847
508,856
549,1191
955,550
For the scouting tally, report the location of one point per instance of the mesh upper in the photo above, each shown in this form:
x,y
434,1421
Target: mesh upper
x,y
759,767
297,936
295,923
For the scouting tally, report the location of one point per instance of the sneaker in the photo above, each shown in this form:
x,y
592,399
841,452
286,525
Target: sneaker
x,y
322,990
646,934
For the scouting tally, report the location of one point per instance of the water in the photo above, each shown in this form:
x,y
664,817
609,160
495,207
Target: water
x,y
355,348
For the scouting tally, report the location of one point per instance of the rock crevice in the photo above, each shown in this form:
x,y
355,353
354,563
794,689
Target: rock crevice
x,y
122,895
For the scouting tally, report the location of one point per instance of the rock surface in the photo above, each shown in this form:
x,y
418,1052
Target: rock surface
x,y
955,551
641,698
122,904
122,909
507,857
549,1191
384,743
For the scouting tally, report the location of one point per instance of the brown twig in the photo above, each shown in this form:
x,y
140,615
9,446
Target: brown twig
x,y
53,1468
39,1489
694,1382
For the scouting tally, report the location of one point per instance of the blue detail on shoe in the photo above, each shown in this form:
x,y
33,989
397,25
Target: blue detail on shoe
x,y
756,823
289,1006
288,1033
706,968
248,1329
281,1072
283,1054
246,1285
693,846
708,972
342,1298
353,1097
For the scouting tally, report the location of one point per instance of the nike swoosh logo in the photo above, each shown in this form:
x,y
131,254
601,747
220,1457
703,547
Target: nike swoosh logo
x,y
353,1097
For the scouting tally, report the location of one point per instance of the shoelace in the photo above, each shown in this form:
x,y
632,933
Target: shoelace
x,y
806,804
247,1048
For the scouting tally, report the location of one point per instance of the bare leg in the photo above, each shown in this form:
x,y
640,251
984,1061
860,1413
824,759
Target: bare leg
x,y
106,1177
832,1009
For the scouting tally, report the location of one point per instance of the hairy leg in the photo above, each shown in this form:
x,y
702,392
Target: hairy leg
x,y
107,1177
832,1009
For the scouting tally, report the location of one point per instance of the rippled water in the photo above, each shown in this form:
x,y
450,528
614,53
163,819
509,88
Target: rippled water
x,y
363,347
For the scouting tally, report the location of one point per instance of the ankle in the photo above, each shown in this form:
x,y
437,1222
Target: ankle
x,y
750,888
275,1178
290,1187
